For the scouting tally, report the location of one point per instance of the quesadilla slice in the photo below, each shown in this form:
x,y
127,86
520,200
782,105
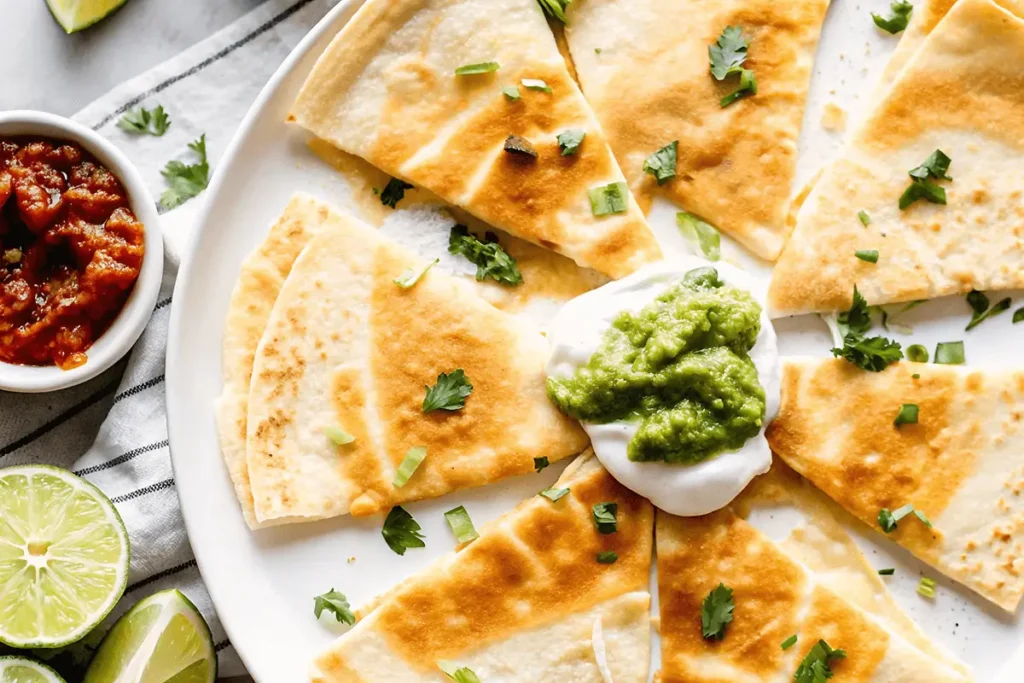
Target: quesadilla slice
x,y
929,188
259,282
959,467
471,100
774,598
650,83
527,601
354,371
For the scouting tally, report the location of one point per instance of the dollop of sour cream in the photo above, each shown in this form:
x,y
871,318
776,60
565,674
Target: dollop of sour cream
x,y
686,490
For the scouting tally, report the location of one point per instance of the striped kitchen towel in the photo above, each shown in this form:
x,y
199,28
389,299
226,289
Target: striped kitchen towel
x,y
112,430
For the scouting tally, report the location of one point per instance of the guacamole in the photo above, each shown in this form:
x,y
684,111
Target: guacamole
x,y
680,368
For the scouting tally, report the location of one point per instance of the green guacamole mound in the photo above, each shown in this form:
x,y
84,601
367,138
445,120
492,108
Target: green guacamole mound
x,y
681,368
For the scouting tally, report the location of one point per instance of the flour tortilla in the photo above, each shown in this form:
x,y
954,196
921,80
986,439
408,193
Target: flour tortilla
x,y
346,347
962,465
775,597
386,90
649,83
960,92
259,281
520,602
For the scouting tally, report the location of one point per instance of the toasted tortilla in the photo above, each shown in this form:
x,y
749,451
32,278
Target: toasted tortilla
x,y
346,347
649,83
259,282
775,597
962,465
960,92
386,90
522,601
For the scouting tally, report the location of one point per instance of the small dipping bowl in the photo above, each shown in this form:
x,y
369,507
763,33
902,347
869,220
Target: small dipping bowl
x,y
122,334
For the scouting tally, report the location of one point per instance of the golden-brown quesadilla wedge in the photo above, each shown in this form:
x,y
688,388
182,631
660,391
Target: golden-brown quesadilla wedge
x,y
926,16
387,89
346,348
259,281
527,601
961,465
960,94
775,598
644,67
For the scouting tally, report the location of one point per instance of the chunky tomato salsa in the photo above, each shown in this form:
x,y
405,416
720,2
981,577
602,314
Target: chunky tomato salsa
x,y
70,251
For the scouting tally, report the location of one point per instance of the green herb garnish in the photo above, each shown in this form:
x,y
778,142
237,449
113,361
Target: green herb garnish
x,y
868,353
186,181
922,185
700,233
917,353
865,219
535,84
869,255
604,517
337,604
511,92
401,531
950,353
474,69
461,525
727,56
570,140
816,666
144,121
394,192
1018,315
662,164
926,587
410,277
490,259
553,494
716,612
901,11
540,463
607,557
981,310
608,199
410,463
338,436
555,8
789,642
449,393
458,674
889,520
907,415
886,572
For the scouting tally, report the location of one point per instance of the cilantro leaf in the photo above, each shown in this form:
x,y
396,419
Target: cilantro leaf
x,y
716,612
662,164
605,517
922,185
701,233
394,192
728,53
746,88
570,140
337,604
449,393
874,353
1018,316
144,121
401,531
185,182
555,8
858,318
935,166
540,463
982,311
901,11
607,557
554,494
459,674
608,199
490,259
816,666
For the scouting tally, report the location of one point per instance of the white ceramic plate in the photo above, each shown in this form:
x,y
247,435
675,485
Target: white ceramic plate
x,y
263,583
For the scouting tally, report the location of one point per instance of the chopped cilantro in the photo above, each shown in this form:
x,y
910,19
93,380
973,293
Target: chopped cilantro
x,y
336,603
701,233
458,674
747,88
461,525
540,463
474,69
608,199
869,255
490,259
186,181
554,494
394,192
816,666
410,463
935,167
716,612
662,164
950,353
570,140
727,56
449,393
604,517
982,311
917,353
410,277
401,531
901,11
907,415
144,121
1018,315
607,557
868,353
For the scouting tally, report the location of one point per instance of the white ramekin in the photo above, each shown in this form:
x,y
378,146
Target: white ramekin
x,y
126,328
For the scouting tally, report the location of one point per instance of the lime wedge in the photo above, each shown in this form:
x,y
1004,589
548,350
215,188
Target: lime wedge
x,y
24,670
63,556
74,15
162,639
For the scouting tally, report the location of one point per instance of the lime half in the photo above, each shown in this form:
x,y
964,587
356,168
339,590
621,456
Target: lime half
x,y
162,639
63,556
23,670
74,15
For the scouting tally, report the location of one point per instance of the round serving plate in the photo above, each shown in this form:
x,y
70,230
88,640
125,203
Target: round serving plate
x,y
263,583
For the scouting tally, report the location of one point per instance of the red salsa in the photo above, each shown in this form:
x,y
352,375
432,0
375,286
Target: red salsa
x,y
70,251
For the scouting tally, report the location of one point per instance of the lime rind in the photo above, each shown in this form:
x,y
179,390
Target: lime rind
x,y
77,15
80,540
25,670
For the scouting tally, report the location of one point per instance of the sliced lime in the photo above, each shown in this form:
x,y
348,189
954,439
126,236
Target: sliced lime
x,y
63,556
74,15
162,639
24,670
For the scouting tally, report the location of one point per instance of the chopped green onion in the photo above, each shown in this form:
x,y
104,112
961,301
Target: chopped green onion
x,y
917,353
412,460
410,277
701,233
540,463
610,198
915,376
888,520
886,572
607,557
554,494
535,84
907,415
789,642
462,526
869,255
511,92
338,436
921,516
950,353
604,517
473,69
459,674
864,217
926,587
